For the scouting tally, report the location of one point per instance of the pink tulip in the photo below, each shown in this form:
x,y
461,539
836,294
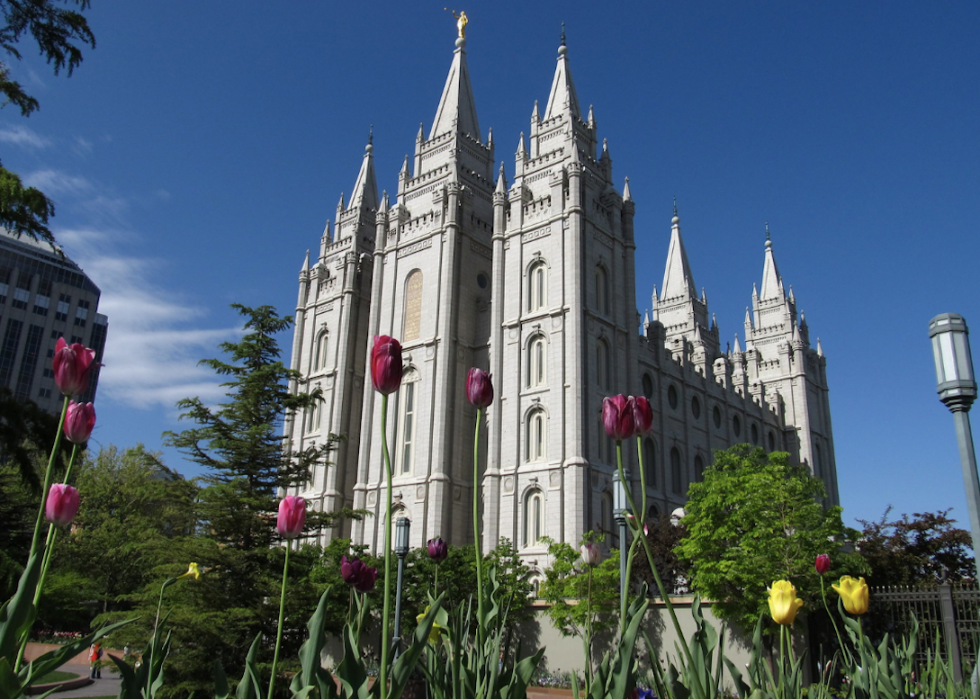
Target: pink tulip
x,y
79,422
62,504
292,517
642,416
479,389
822,564
386,364
617,416
357,574
72,365
590,553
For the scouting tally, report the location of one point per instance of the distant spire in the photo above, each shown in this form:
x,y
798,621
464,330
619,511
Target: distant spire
x,y
772,284
626,191
534,113
521,150
457,109
678,279
306,263
562,95
605,149
591,119
404,170
365,194
819,348
490,137
501,181
738,347
421,135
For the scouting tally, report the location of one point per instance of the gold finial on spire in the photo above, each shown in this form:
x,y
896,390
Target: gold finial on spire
x,y
461,21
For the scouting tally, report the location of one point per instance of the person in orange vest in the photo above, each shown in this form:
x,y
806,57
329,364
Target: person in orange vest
x,y
95,657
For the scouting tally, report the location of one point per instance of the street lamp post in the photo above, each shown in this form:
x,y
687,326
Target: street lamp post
x,y
402,527
620,510
957,388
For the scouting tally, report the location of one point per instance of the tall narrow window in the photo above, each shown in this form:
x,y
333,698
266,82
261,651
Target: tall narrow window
x,y
536,366
320,352
602,364
533,517
601,290
408,409
698,468
537,286
413,306
606,512
676,471
314,417
650,462
536,434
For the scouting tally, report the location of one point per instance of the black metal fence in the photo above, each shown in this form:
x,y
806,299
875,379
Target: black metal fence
x,y
948,615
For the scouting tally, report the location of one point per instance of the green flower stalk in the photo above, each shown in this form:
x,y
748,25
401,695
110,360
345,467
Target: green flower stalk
x,y
479,392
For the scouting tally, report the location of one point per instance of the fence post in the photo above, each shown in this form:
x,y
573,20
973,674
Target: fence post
x,y
949,630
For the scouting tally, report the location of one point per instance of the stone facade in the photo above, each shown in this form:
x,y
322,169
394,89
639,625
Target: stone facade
x,y
533,280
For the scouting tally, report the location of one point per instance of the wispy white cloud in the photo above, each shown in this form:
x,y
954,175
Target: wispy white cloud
x,y
23,137
81,146
156,336
54,182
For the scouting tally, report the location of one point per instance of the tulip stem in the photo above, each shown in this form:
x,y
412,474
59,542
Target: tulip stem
x,y
282,618
386,618
823,598
588,640
476,527
52,535
153,641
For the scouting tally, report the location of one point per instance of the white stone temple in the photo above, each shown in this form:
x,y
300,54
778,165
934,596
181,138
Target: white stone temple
x,y
532,278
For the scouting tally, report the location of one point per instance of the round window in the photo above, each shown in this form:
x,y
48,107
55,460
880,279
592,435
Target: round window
x,y
648,386
482,281
716,416
696,407
672,397
755,434
736,426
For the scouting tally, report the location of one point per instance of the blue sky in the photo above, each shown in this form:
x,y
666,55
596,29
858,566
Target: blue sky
x,y
198,151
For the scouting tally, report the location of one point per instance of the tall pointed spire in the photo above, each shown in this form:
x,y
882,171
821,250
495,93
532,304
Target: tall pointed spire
x,y
678,280
365,193
562,96
772,284
457,109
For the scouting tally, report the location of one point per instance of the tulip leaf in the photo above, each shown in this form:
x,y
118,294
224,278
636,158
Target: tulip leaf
x,y
311,672
249,687
221,690
18,612
403,668
54,659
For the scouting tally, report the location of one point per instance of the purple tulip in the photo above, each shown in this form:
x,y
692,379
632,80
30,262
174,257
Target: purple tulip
x,y
62,504
642,416
822,564
72,365
357,574
479,389
79,422
386,364
292,516
617,416
438,549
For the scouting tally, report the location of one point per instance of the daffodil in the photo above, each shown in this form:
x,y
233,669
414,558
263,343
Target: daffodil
x,y
192,572
783,602
854,593
435,633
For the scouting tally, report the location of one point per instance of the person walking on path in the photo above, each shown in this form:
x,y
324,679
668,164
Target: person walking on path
x,y
95,660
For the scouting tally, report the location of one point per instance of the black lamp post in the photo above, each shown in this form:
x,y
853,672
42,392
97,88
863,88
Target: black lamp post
x,y
402,527
957,388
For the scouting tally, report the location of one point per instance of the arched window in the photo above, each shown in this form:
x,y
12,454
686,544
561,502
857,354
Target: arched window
x,y
755,434
650,462
536,434
606,512
407,419
698,468
314,417
601,290
676,471
602,363
413,306
648,386
533,517
536,361
537,290
817,466
320,351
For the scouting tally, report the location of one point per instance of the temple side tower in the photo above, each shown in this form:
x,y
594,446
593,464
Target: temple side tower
x,y
431,290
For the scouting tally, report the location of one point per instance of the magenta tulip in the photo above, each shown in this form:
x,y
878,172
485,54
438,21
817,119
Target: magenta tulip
x,y
386,364
617,416
479,389
79,422
292,517
438,549
590,553
357,574
72,365
642,416
822,564
62,504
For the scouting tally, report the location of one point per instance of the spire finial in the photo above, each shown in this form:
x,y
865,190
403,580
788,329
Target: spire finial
x,y
562,33
768,239
675,206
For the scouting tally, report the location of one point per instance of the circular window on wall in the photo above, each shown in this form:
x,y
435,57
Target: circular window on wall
x,y
755,434
716,416
772,442
672,397
736,426
648,386
696,407
482,281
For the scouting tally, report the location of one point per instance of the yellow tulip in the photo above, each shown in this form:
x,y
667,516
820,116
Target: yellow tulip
x,y
435,633
854,593
192,572
783,602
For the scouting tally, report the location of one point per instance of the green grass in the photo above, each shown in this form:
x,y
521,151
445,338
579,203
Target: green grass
x,y
56,676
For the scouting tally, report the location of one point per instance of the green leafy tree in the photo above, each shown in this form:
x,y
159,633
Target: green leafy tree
x,y
924,548
755,519
60,32
664,537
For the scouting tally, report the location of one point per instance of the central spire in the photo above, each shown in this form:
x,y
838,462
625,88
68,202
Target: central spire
x,y
457,109
562,96
678,280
